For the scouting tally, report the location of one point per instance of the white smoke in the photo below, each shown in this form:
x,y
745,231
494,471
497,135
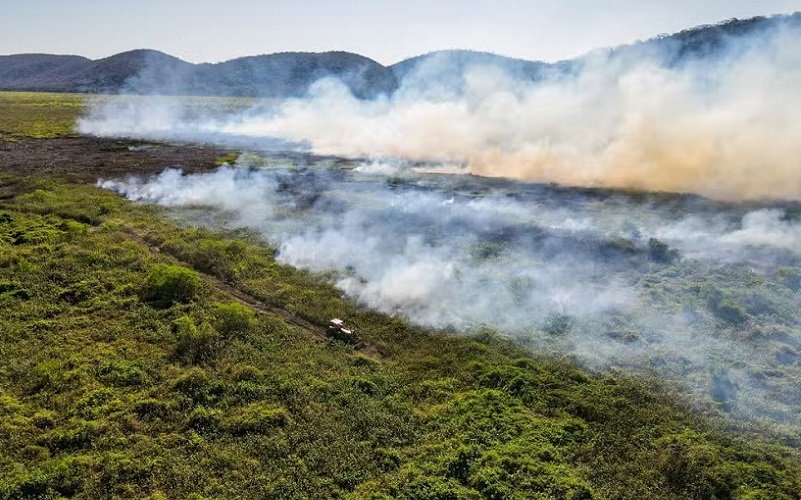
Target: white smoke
x,y
515,257
682,286
725,127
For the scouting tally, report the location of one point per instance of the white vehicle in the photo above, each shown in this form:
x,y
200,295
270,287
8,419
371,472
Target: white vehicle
x,y
336,330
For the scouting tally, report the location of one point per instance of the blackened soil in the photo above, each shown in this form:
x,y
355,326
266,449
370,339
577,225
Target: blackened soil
x,y
88,158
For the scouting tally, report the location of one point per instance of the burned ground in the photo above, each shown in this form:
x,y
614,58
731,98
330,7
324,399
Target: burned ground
x,y
87,158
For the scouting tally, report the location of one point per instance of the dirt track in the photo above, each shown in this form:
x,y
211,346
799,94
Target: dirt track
x,y
316,331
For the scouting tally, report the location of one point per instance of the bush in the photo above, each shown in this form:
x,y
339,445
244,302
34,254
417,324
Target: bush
x,y
233,319
204,420
789,277
434,488
152,409
196,385
726,307
257,418
660,252
121,373
730,311
13,290
558,324
167,285
195,344
81,291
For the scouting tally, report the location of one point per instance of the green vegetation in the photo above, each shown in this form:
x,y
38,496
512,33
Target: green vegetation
x,y
226,159
46,115
38,115
141,359
167,285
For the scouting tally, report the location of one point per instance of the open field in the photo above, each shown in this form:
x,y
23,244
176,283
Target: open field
x,y
143,358
38,115
46,115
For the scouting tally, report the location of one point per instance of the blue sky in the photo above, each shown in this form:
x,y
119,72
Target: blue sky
x,y
386,30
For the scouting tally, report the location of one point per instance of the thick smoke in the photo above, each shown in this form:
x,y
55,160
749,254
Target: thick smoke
x,y
612,279
724,125
704,293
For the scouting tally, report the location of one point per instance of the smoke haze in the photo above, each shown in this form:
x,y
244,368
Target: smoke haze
x,y
564,271
723,125
704,293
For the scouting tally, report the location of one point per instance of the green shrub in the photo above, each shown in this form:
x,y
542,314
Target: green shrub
x,y
233,319
43,419
248,373
204,420
487,250
363,385
195,344
196,385
168,284
507,378
95,404
247,390
660,252
558,324
80,434
226,159
726,307
58,478
81,291
789,277
730,311
687,463
257,418
434,488
13,290
152,409
121,373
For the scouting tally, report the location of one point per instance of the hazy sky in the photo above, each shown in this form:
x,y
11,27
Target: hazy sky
x,y
386,30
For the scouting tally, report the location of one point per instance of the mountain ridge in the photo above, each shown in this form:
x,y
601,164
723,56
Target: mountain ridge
x,y
292,74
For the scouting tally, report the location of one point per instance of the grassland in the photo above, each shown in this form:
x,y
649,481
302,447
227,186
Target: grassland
x,y
139,358
38,115
45,115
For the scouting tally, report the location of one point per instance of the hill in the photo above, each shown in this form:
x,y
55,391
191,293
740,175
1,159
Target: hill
x,y
707,40
444,63
39,71
149,71
290,74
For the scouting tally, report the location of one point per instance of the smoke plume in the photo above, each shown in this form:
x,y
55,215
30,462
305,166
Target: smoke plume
x,y
704,293
724,125
611,279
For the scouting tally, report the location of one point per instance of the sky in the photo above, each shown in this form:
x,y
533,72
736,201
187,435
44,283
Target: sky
x,y
385,30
